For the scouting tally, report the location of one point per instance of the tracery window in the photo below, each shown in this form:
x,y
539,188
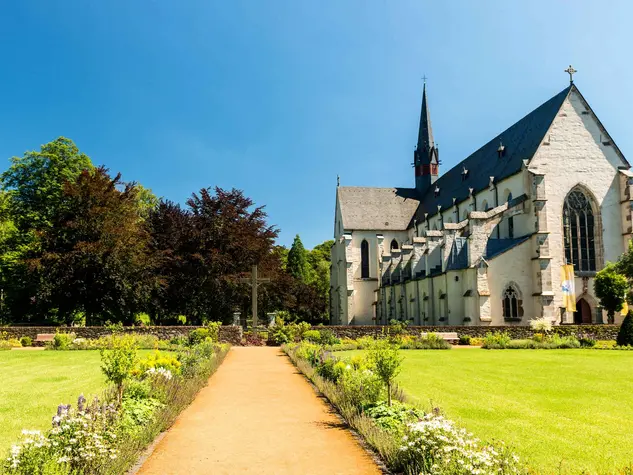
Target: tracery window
x,y
364,259
512,304
579,230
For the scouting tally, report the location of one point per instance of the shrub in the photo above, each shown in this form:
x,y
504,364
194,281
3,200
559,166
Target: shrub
x,y
199,335
214,330
587,342
386,360
118,363
26,341
328,337
395,417
62,341
625,335
156,360
142,319
497,340
542,324
476,341
365,342
311,352
137,413
430,341
435,445
330,368
464,340
312,335
361,388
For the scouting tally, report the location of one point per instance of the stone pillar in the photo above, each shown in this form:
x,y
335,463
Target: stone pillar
x,y
236,318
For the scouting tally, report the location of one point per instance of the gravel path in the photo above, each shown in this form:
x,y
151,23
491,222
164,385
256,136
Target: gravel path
x,y
258,415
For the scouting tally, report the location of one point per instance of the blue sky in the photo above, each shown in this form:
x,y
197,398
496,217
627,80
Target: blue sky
x,y
278,97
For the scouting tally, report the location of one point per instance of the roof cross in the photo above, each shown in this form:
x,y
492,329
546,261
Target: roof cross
x,y
571,71
424,78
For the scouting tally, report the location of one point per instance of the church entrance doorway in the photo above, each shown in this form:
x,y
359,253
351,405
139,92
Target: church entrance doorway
x,y
582,313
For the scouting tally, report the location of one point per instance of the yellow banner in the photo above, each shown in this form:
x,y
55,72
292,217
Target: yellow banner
x,y
568,287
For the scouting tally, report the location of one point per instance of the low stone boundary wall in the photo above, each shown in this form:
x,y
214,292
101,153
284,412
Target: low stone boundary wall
x,y
598,332
228,334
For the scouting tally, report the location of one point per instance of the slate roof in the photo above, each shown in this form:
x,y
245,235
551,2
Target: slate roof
x,y
364,208
521,141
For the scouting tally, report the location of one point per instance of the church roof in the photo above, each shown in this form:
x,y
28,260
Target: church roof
x,y
364,208
520,142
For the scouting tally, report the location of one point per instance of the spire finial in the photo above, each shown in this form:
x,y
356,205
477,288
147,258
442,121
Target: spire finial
x,y
571,71
338,180
424,78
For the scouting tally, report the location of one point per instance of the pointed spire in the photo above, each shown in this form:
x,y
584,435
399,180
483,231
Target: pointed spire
x,y
425,135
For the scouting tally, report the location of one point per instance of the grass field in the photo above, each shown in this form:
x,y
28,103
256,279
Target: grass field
x,y
33,383
563,411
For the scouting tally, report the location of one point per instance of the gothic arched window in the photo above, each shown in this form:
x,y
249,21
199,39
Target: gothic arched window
x,y
578,226
394,244
512,304
364,259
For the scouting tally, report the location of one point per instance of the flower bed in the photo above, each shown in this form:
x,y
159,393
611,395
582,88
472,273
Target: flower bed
x,y
108,434
408,439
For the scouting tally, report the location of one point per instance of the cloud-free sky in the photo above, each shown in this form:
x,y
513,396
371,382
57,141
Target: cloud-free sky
x,y
277,97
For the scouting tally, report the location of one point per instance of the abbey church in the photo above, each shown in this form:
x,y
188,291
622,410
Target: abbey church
x,y
484,243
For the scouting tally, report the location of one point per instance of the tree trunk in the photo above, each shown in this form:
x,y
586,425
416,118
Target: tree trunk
x,y
389,394
610,316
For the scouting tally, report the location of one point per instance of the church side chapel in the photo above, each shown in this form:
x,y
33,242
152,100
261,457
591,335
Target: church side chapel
x,y
485,243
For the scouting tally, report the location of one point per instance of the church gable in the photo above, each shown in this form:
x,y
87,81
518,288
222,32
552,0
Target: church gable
x,y
501,157
577,134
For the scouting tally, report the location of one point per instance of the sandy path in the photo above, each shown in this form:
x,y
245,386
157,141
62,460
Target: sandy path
x,y
258,415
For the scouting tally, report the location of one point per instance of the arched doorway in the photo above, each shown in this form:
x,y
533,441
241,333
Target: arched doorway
x,y
582,313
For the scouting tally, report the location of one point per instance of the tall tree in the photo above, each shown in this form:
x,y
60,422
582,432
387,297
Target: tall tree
x,y
203,250
94,256
611,288
298,261
36,182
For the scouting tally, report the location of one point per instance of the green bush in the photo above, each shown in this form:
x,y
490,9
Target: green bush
x,y
199,335
430,341
464,340
26,341
214,330
361,388
328,337
496,341
385,360
587,342
136,413
118,363
62,341
331,369
395,417
312,335
625,335
142,319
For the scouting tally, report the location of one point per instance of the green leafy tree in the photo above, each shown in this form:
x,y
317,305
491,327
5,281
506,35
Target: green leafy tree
x,y
95,257
37,179
147,201
118,362
611,288
625,335
298,261
386,361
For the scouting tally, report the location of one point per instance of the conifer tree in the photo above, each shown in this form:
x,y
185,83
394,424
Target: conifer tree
x,y
625,335
298,260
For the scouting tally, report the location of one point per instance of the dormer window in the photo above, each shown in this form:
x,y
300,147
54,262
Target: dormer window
x,y
501,151
436,192
464,174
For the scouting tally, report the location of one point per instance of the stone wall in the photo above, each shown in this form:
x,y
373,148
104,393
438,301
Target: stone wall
x,y
598,332
228,334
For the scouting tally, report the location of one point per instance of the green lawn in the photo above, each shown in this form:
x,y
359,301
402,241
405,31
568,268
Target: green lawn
x,y
34,383
562,410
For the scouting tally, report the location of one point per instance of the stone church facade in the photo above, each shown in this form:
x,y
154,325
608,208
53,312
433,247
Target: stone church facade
x,y
484,243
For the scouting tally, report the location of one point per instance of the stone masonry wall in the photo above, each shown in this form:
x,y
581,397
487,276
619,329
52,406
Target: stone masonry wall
x,y
228,334
598,332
